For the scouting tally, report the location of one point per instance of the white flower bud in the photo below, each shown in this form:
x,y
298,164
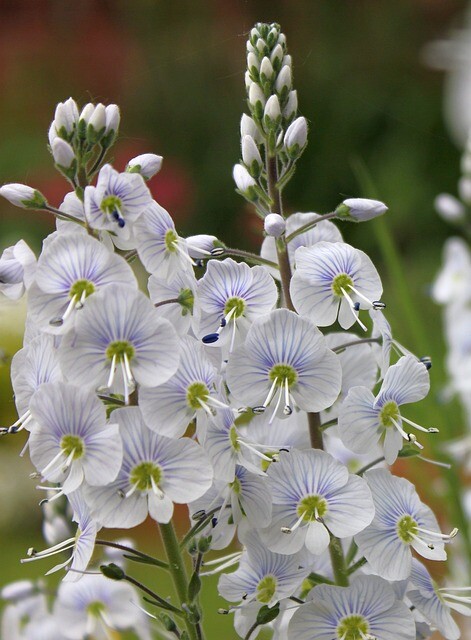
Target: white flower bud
x,y
249,128
291,106
284,81
464,189
18,590
244,181
22,196
251,156
254,35
112,118
248,81
147,164
62,153
87,112
266,70
272,112
52,133
198,246
256,95
261,46
296,137
287,61
253,62
466,162
98,118
66,116
282,40
276,57
275,225
449,208
250,48
360,209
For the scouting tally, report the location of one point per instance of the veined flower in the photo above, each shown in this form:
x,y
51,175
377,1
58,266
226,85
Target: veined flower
x,y
82,544
284,357
176,301
156,472
116,202
401,521
366,610
73,441
434,603
333,281
169,408
232,295
313,496
119,327
162,251
94,606
16,270
262,576
71,268
32,366
365,420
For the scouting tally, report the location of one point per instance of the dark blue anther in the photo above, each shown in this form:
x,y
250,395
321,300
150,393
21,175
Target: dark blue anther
x,y
223,322
210,338
121,223
115,215
214,521
356,306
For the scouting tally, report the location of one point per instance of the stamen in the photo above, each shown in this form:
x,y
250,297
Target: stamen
x,y
270,395
210,338
217,403
360,295
253,450
156,489
57,548
446,537
287,408
132,490
229,556
125,382
51,464
445,465
289,530
198,249
209,411
426,361
276,407
183,253
233,336
417,426
57,322
112,372
225,565
429,545
352,309
127,366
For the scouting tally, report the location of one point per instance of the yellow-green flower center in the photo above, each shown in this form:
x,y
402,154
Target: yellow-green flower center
x,y
143,474
110,204
233,438
341,281
236,305
96,609
389,413
266,589
171,240
266,463
406,529
186,300
353,627
312,507
196,391
72,444
235,486
282,372
120,348
80,287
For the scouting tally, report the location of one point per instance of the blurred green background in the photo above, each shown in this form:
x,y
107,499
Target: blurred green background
x,y
176,69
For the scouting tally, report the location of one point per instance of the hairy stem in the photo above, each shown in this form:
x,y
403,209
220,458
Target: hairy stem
x,y
338,562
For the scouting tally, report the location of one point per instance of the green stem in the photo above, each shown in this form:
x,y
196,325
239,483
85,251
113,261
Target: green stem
x,y
281,247
196,528
163,603
310,225
251,257
177,571
370,465
338,562
318,579
356,566
63,215
355,342
315,431
251,630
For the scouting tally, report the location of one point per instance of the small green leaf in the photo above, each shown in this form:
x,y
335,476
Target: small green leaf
x,y
267,614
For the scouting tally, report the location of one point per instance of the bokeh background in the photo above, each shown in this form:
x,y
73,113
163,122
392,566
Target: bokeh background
x,y
176,69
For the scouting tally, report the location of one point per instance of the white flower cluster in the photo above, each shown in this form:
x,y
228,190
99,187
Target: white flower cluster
x,y
211,389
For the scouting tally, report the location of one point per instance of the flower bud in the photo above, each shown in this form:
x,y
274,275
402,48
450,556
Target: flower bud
x,y
276,57
18,590
96,124
66,117
52,133
274,225
200,245
244,181
449,208
272,112
87,112
249,128
248,81
62,153
266,70
287,61
464,189
360,209
256,100
296,137
253,64
291,108
147,164
262,47
284,82
112,118
23,196
251,156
